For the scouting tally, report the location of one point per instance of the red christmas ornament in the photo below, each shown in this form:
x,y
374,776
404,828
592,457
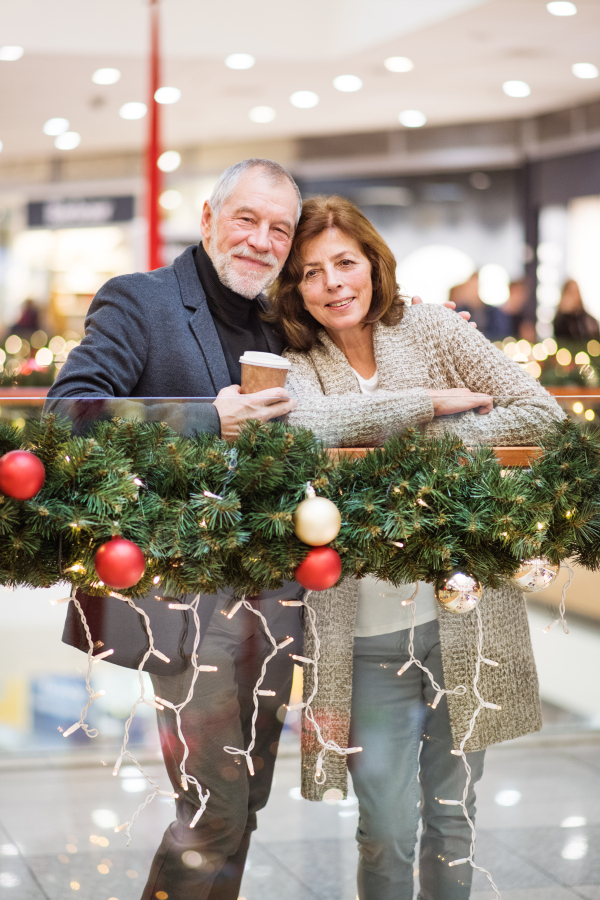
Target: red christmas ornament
x,y
119,563
22,474
320,570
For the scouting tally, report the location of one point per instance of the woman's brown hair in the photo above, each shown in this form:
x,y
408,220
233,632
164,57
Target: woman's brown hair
x,y
298,327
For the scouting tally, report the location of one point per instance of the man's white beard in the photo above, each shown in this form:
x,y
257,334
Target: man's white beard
x,y
248,284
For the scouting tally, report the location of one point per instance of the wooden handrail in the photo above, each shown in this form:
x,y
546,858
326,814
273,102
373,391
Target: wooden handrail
x,y
507,456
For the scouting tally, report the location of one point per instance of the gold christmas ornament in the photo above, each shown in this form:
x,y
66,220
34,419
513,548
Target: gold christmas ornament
x,y
458,593
534,575
317,520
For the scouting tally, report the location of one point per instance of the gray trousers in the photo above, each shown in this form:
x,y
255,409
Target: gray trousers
x,y
397,785
207,862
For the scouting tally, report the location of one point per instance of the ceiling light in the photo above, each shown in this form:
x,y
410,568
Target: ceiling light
x,y
10,54
516,88
347,83
56,126
399,64
133,110
170,199
412,118
169,161
67,141
262,114
561,8
167,95
585,70
106,76
304,99
239,61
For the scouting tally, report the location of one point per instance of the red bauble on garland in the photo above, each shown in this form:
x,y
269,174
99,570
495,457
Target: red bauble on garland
x,y
119,563
22,474
320,570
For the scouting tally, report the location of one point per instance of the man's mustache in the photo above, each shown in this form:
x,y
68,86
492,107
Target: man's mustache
x,y
241,250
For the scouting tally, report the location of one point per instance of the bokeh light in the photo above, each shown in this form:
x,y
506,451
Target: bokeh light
x,y
106,76
412,118
262,114
347,83
169,161
133,110
399,64
239,61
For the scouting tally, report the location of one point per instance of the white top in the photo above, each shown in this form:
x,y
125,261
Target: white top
x,y
368,385
380,609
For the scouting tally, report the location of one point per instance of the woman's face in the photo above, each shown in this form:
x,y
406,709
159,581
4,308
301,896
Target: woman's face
x,y
336,282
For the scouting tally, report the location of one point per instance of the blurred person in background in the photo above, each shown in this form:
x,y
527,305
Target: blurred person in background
x,y
571,321
28,321
489,319
519,323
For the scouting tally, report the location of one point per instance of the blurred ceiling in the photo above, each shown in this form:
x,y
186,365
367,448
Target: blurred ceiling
x,y
463,51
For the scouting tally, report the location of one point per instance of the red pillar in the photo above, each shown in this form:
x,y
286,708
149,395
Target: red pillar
x,y
153,173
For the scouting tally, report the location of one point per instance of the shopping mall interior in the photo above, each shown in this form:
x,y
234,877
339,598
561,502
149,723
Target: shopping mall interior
x,y
468,133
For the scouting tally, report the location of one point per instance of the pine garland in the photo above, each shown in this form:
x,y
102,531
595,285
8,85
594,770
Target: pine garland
x,y
208,514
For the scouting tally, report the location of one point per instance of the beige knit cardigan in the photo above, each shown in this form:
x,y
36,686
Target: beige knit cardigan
x,y
431,348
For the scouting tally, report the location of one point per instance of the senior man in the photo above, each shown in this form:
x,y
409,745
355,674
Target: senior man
x,y
179,332
173,333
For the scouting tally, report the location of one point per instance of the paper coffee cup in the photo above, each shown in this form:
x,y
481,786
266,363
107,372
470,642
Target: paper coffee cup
x,y
261,371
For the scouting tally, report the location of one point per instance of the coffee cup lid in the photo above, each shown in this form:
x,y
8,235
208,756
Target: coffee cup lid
x,y
270,360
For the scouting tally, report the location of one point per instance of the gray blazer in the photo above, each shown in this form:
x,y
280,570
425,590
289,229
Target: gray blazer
x,y
150,335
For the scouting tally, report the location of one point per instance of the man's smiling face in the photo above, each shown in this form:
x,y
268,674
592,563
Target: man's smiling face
x,y
250,237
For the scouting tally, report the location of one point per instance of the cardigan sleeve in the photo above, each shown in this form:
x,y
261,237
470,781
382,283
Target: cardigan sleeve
x,y
352,420
523,409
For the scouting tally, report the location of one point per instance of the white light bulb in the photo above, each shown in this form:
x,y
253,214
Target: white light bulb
x,y
262,114
585,70
67,141
56,126
347,83
239,61
399,64
169,161
167,95
412,118
133,110
10,53
516,88
106,76
304,99
561,8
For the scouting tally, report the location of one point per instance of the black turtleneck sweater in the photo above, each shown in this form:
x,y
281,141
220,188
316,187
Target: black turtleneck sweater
x,y
236,318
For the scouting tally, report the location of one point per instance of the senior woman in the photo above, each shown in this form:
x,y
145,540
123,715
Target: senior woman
x,y
363,367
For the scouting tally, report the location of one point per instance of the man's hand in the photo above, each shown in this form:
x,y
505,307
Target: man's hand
x,y
456,400
234,408
449,304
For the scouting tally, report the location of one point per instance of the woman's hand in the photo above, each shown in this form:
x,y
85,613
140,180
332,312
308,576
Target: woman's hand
x,y
456,400
449,304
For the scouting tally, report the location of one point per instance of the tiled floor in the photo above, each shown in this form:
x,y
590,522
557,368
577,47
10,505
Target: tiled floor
x,y
305,851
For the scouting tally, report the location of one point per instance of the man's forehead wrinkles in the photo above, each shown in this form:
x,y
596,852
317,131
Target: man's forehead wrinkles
x,y
264,209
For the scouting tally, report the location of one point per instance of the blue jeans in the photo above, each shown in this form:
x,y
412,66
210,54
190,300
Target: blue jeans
x,y
395,784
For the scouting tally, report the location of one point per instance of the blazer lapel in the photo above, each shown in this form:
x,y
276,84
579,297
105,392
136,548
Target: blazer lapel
x,y
201,322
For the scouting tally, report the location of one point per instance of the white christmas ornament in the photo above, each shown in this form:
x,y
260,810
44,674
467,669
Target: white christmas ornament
x,y
534,575
459,593
317,520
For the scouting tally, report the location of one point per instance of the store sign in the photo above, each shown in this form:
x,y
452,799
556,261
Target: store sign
x,y
79,213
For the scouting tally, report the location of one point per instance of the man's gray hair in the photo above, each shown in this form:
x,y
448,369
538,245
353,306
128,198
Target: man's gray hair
x,y
228,181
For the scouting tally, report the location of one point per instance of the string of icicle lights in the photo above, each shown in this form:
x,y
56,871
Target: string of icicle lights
x,y
327,746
